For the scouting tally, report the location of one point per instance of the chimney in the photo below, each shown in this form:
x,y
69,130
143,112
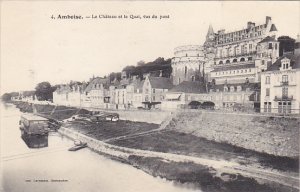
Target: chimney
x,y
249,24
268,19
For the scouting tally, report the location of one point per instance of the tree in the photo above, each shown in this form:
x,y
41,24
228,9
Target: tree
x,y
140,63
6,97
286,44
44,91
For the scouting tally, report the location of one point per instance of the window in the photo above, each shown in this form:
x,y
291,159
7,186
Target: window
x,y
284,107
242,59
285,92
239,88
267,107
232,89
267,91
153,98
193,78
267,79
221,62
227,61
270,46
285,78
276,46
185,71
234,60
225,89
153,90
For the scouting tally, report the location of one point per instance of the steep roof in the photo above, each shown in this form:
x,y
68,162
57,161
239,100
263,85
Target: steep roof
x,y
268,39
295,62
234,67
97,80
210,31
63,89
189,87
252,86
160,82
273,28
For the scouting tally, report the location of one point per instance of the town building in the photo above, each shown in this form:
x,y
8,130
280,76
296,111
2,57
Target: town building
x,y
154,89
69,95
280,85
134,93
96,94
181,95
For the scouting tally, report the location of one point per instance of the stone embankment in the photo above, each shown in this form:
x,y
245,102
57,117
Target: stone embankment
x,y
273,135
64,112
147,116
212,169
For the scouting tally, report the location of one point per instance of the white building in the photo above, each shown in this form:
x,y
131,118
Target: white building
x,y
154,89
280,85
68,95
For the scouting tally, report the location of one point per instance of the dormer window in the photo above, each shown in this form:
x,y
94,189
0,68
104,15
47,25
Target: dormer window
x,y
232,89
285,64
239,88
225,89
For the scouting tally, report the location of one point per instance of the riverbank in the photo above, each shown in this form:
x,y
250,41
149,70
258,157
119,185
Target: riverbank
x,y
207,175
135,148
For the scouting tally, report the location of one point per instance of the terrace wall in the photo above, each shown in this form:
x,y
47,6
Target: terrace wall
x,y
273,135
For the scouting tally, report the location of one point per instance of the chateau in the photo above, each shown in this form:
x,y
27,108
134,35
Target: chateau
x,y
229,63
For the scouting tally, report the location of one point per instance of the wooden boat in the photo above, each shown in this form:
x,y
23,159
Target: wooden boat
x,y
78,145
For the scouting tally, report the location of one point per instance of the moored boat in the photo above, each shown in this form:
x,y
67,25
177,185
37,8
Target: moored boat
x,y
78,145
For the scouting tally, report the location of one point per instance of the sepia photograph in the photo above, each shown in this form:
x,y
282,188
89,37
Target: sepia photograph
x,y
143,96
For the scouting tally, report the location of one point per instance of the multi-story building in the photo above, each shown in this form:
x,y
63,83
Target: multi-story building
x,y
69,95
184,93
134,93
280,85
96,93
154,89
242,96
244,53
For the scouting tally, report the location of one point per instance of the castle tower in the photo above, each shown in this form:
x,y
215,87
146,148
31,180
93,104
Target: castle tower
x,y
187,63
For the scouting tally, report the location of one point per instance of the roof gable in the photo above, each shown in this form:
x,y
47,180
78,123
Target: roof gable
x,y
160,82
190,87
294,62
268,39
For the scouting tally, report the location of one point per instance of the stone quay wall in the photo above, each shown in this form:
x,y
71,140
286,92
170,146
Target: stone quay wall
x,y
273,135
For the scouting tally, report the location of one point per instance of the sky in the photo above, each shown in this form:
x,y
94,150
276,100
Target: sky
x,y
36,48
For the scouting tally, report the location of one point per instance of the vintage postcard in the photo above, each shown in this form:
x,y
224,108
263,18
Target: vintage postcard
x,y
140,96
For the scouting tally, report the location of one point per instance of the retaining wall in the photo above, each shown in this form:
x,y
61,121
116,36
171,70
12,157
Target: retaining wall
x,y
156,117
273,135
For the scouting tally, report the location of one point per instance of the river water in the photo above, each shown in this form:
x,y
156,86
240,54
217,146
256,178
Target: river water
x,y
54,169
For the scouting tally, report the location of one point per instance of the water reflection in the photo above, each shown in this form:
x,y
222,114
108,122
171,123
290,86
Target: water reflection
x,y
35,141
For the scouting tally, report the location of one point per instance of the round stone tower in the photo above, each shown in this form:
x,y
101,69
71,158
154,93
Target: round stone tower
x,y
187,63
